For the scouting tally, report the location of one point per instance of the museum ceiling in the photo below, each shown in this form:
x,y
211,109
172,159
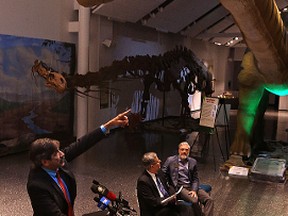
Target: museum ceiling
x,y
206,20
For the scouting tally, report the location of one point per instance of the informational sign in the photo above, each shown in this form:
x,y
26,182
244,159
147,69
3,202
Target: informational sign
x,y
209,112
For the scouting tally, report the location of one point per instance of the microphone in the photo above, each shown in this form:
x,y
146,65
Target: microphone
x,y
111,196
104,203
95,182
99,189
107,200
103,191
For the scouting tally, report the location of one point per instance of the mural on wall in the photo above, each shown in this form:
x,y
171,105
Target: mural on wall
x,y
28,109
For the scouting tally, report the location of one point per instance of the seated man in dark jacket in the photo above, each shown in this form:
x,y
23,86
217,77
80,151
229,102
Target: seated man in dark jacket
x,y
181,170
152,188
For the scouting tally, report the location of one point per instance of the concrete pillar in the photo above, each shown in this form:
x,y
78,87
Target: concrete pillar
x,y
83,67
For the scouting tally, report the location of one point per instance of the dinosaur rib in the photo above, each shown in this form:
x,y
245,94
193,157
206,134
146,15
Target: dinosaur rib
x,y
264,33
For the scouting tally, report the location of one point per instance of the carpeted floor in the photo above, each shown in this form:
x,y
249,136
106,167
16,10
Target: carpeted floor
x,y
116,163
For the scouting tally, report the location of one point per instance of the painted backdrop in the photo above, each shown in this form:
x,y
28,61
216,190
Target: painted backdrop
x,y
28,109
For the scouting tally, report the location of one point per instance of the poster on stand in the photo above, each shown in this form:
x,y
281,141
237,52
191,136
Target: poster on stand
x,y
209,112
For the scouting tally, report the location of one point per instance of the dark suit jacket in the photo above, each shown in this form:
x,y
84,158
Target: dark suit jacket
x,y
170,168
46,197
147,193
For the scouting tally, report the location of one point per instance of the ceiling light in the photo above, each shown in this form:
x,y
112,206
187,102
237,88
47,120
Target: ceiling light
x,y
217,43
144,21
152,15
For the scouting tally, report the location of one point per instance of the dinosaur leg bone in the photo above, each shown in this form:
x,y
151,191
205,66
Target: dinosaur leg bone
x,y
250,93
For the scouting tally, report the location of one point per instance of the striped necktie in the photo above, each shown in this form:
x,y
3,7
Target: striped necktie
x,y
65,192
161,187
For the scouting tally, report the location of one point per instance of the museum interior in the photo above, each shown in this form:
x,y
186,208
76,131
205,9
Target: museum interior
x,y
210,73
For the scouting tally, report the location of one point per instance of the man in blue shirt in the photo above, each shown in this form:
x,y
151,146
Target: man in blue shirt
x,y
51,185
181,170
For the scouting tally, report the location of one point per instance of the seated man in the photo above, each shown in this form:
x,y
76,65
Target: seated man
x,y
152,188
182,171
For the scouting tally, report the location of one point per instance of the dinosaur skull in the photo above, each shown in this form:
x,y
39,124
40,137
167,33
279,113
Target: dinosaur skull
x,y
57,81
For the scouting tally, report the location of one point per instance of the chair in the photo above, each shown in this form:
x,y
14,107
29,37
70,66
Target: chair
x,y
206,187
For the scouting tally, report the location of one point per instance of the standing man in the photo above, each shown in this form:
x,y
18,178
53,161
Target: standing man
x,y
152,188
51,185
182,171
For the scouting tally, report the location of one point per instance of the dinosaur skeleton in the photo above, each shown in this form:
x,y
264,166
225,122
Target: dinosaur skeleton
x,y
178,68
264,67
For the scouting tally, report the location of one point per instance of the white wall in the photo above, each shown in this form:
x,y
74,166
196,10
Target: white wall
x,y
39,19
283,103
216,57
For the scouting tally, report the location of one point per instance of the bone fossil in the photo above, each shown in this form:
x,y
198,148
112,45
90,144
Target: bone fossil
x,y
264,68
178,68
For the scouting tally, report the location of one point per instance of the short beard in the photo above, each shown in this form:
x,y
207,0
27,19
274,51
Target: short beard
x,y
183,157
